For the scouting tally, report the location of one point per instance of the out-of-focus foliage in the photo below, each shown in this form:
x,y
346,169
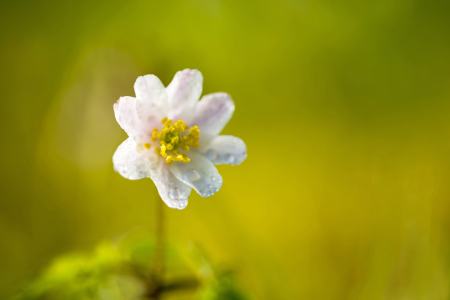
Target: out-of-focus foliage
x,y
344,106
223,289
123,272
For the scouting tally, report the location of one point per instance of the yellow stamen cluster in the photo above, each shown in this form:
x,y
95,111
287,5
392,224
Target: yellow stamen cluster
x,y
171,140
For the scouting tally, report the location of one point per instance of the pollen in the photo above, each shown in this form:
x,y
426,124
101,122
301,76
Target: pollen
x,y
174,137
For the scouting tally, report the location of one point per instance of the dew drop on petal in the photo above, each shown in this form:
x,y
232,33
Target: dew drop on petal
x,y
211,154
174,193
210,190
229,158
181,204
141,168
153,159
140,148
192,176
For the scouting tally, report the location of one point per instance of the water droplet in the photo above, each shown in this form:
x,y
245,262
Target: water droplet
x,y
182,204
141,165
210,188
141,168
211,154
229,158
153,159
192,176
174,193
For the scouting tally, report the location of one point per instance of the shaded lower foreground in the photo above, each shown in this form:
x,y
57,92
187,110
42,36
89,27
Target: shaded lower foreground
x,y
126,271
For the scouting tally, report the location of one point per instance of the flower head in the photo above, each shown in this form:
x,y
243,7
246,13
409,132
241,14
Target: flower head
x,y
174,138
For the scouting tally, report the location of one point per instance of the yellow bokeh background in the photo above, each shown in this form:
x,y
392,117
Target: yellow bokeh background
x,y
344,107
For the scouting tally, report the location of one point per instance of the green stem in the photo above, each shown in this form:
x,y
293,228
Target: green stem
x,y
158,262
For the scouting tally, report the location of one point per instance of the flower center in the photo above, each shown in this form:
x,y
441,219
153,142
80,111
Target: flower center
x,y
173,138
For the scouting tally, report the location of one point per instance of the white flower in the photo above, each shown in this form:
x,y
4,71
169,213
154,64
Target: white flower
x,y
174,139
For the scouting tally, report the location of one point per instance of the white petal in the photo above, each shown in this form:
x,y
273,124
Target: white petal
x,y
183,93
126,115
199,173
226,149
149,88
213,112
172,191
151,98
131,165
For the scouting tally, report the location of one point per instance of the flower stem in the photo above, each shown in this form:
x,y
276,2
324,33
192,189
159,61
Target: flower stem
x,y
159,257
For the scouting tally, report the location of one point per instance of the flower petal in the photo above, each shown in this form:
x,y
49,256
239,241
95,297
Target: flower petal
x,y
226,149
213,112
183,94
151,98
172,191
126,115
131,165
200,174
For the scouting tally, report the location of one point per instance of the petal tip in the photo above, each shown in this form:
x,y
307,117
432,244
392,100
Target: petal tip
x,y
209,190
189,75
179,204
176,198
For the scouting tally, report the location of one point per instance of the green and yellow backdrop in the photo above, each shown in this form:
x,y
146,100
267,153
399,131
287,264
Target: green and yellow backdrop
x,y
344,107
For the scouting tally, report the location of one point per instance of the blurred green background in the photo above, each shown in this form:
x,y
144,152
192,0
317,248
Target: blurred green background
x,y
344,106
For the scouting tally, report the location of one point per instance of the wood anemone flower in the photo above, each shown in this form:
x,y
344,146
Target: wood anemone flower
x,y
174,138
